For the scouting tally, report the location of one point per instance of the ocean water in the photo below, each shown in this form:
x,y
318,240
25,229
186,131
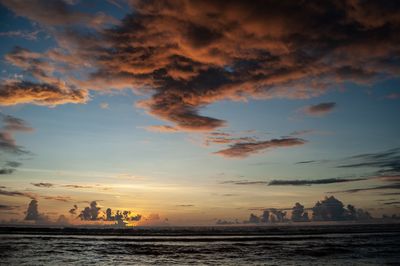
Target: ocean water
x,y
313,245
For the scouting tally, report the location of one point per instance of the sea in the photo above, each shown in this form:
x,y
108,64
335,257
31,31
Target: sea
x,y
334,244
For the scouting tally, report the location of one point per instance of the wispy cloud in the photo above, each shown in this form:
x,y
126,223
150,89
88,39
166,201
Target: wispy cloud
x,y
386,162
384,187
17,194
28,35
58,198
245,149
42,184
305,182
162,129
8,207
245,182
320,109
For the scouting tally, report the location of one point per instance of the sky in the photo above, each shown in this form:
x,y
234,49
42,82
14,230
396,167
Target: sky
x,y
190,112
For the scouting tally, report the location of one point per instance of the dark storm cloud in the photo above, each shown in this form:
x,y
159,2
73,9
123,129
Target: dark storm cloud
x,y
319,109
42,184
305,182
245,149
189,54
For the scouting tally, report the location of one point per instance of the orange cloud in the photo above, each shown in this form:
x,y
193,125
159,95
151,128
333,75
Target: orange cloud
x,y
14,93
189,54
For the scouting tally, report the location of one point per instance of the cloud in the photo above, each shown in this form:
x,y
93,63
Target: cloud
x,y
319,109
55,12
298,214
15,92
391,194
73,210
386,162
332,209
245,182
393,96
302,132
46,89
189,54
225,140
244,149
306,162
305,182
32,213
41,184
225,222
58,198
28,35
153,219
77,186
17,194
8,144
7,207
13,164
270,215
162,128
329,209
90,213
94,213
104,105
122,217
384,187
12,123
6,171
392,203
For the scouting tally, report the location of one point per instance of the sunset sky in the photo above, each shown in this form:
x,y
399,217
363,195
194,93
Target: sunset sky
x,y
186,112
